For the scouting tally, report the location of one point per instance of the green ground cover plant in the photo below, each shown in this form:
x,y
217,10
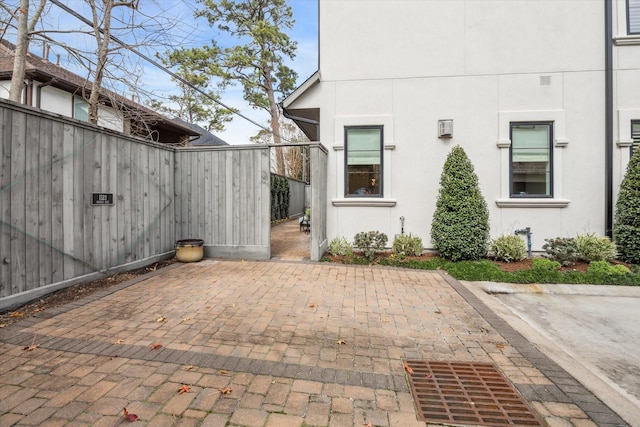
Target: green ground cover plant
x,y
543,270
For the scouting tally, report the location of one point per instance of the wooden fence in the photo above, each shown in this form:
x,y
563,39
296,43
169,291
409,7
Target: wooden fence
x,y
78,202
52,231
224,199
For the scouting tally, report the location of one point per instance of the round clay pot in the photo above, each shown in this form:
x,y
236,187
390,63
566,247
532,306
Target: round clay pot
x,y
189,250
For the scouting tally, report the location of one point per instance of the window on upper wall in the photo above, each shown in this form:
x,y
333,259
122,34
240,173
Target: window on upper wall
x,y
80,109
635,135
363,158
531,159
633,16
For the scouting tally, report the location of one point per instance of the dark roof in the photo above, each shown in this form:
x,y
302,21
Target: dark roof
x,y
206,137
43,70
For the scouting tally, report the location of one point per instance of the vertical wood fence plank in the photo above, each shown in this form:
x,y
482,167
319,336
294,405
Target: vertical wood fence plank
x,y
57,225
45,203
5,201
18,198
32,154
96,213
123,208
90,144
68,193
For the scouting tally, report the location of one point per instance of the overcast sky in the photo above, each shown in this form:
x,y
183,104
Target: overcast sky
x,y
176,19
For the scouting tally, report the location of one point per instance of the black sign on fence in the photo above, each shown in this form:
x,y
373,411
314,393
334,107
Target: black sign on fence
x,y
101,199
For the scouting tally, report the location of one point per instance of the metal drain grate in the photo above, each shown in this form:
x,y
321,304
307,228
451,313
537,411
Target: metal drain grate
x,y
466,393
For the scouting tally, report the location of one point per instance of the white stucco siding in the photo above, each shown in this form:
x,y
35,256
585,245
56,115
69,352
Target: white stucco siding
x,y
410,110
404,39
55,100
4,89
484,64
110,118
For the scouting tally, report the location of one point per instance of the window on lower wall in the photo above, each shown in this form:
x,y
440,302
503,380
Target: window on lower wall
x,y
635,135
531,159
633,16
80,109
363,161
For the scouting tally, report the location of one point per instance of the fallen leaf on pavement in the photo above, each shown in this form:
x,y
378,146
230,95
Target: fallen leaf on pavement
x,y
500,345
384,320
340,342
2,325
189,368
184,389
130,417
155,346
31,347
225,390
407,367
312,306
161,319
16,314
118,341
223,372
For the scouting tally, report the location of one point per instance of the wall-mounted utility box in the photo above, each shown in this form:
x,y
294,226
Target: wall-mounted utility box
x,y
445,128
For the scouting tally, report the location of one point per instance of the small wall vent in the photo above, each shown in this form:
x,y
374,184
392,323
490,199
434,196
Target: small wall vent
x,y
445,128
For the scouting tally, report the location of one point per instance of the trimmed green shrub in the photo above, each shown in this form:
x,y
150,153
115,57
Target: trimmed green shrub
x,y
407,245
460,225
604,268
280,195
369,243
562,249
593,248
340,246
626,228
508,248
545,264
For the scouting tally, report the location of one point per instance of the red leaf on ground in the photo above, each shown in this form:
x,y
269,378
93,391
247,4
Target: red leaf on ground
x,y
407,367
155,346
184,389
130,417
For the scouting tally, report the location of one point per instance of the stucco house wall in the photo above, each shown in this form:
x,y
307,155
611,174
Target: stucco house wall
x,y
406,65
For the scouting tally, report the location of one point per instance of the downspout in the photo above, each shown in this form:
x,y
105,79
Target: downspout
x,y
39,91
608,94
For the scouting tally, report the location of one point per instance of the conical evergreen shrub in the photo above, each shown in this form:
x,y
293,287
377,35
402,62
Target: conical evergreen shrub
x,y
460,225
626,228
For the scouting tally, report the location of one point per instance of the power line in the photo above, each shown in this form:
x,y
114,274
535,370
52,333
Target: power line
x,y
160,66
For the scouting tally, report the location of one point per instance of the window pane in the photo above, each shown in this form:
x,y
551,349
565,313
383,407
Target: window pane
x,y
364,159
531,159
80,109
633,16
635,135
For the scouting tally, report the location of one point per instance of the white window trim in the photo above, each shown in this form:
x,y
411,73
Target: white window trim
x,y
625,117
623,38
505,118
340,124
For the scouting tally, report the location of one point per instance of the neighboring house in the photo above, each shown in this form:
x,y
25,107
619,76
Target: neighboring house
x,y
545,104
52,88
205,138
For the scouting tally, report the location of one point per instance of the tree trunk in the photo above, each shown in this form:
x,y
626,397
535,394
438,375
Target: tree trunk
x,y
20,59
103,52
275,121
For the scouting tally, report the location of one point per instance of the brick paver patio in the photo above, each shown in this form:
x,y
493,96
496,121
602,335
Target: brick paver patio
x,y
285,343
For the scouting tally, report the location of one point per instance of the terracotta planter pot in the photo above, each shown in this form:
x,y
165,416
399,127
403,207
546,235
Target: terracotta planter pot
x,y
189,250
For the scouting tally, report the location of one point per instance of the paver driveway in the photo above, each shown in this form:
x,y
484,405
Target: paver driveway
x,y
277,343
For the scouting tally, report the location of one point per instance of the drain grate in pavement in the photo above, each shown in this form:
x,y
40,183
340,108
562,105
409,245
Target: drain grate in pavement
x,y
466,393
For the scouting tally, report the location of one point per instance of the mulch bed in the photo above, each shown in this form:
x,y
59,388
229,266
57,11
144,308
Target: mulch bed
x,y
75,292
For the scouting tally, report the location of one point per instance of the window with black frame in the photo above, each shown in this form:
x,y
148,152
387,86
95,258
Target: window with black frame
x,y
635,135
633,16
363,161
531,159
